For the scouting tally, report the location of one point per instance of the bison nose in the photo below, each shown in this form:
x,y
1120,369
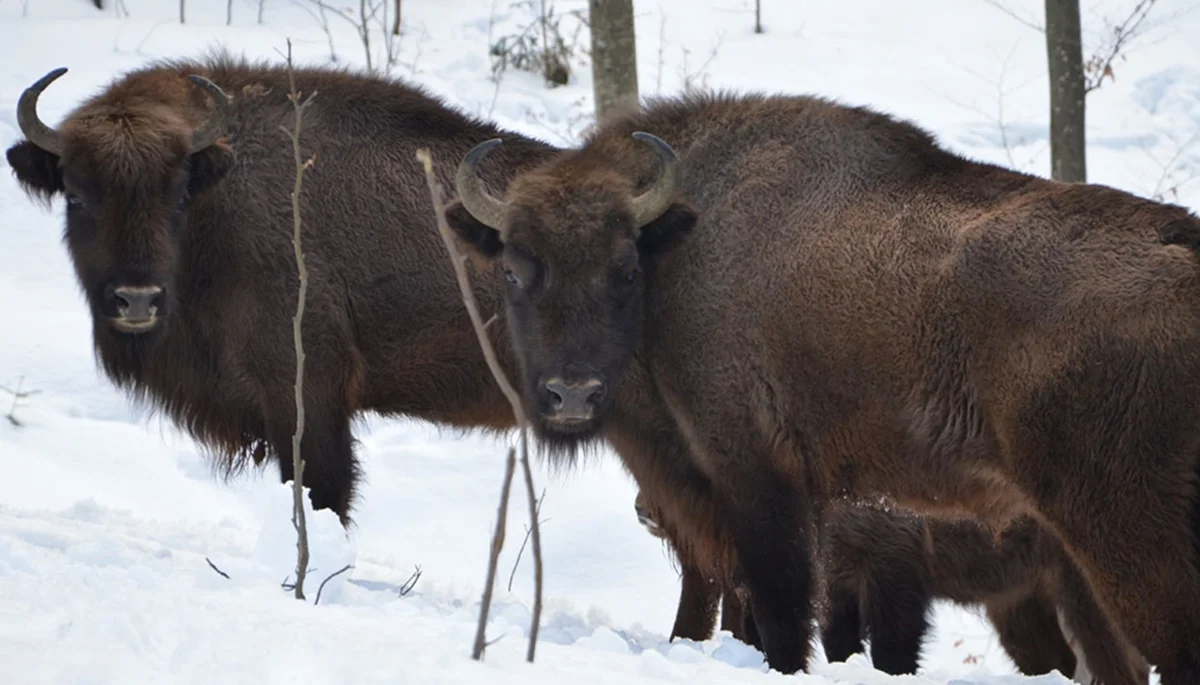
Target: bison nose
x,y
137,303
574,400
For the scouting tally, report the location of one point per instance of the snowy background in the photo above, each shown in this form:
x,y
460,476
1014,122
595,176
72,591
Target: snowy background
x,y
107,516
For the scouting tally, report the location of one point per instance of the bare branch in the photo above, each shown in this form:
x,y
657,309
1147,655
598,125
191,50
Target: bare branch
x,y
298,519
1007,10
408,585
214,567
18,396
524,542
328,578
514,399
1100,64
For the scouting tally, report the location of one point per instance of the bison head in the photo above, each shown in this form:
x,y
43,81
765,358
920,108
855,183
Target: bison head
x,y
128,163
574,241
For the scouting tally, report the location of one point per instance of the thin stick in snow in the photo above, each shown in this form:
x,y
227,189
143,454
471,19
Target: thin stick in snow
x,y
297,461
489,354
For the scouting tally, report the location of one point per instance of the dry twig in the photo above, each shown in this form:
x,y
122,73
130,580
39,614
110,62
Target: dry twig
x,y
518,408
298,520
408,585
214,567
528,531
328,578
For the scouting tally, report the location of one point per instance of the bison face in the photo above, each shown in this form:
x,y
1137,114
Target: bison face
x,y
574,251
127,177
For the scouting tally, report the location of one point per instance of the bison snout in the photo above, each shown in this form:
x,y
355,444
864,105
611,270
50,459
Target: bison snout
x,y
137,305
574,400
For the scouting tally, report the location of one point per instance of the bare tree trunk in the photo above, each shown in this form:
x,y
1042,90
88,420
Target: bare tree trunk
x,y
99,4
181,3
260,9
614,57
1064,52
396,21
758,16
228,12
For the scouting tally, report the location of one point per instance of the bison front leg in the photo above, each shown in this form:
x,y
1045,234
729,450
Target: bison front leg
x,y
842,625
696,615
327,447
769,520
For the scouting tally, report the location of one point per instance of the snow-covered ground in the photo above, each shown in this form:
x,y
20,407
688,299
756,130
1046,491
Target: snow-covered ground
x,y
107,517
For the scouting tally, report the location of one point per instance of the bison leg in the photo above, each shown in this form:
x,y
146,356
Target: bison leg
x,y
1134,551
697,613
1099,646
330,467
769,537
842,629
1028,629
897,607
738,619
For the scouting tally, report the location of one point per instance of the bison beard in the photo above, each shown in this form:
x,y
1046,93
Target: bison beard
x,y
857,310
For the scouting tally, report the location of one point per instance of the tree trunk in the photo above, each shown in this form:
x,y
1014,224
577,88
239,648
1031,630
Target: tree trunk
x,y
1064,51
229,12
614,57
99,4
758,16
181,2
396,20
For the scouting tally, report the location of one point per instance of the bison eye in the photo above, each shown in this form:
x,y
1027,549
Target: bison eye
x,y
74,201
512,277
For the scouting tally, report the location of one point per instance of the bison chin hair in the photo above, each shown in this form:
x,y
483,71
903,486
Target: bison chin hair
x,y
567,450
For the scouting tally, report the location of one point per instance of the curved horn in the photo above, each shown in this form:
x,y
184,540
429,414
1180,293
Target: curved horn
x,y
486,209
214,126
31,125
651,204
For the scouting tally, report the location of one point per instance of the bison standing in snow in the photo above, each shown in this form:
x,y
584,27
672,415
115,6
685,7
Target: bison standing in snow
x,y
179,224
881,569
792,300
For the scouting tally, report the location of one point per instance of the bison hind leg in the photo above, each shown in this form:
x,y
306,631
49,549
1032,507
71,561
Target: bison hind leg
x,y
898,619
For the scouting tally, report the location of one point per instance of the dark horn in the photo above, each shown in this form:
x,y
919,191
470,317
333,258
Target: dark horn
x,y
486,209
31,125
214,126
651,204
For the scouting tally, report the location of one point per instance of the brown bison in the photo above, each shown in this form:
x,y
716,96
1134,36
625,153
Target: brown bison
x,y
794,300
881,569
178,220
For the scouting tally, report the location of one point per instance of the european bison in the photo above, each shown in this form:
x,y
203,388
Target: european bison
x,y
880,570
179,224
795,299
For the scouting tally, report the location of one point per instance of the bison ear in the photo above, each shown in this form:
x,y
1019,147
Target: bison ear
x,y
1185,232
36,170
670,227
482,238
209,166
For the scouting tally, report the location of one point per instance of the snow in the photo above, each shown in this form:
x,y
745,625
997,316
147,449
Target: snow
x,y
109,519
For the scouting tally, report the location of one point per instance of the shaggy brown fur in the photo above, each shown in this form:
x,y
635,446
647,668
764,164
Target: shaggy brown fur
x,y
384,328
827,303
882,568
